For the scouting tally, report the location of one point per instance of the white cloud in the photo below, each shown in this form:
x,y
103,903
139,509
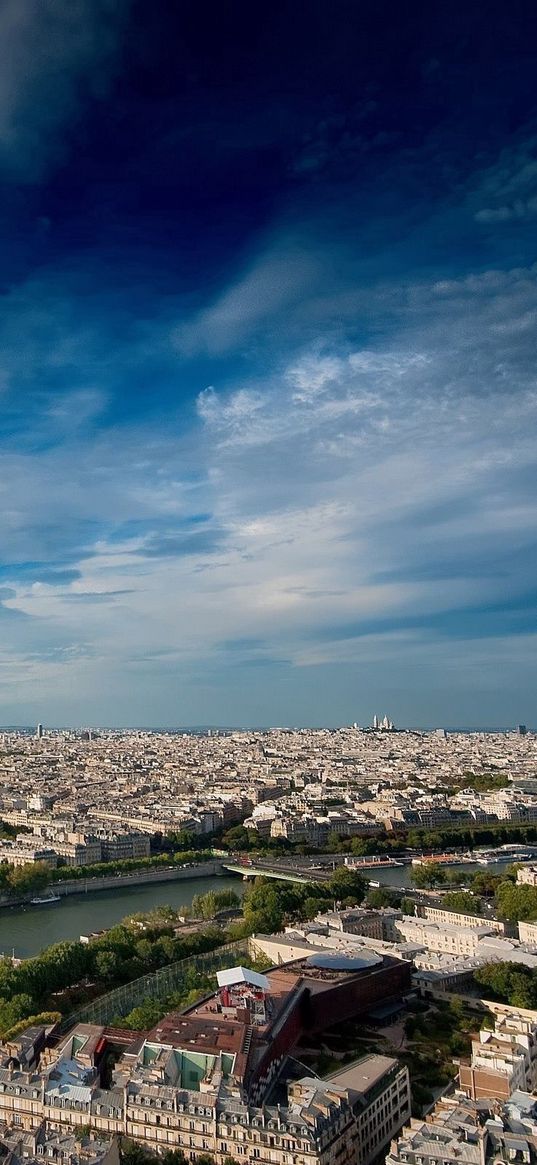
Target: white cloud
x,y
352,490
310,376
272,284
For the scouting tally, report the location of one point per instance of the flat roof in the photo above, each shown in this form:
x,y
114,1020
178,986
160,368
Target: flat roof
x,y
200,1033
360,1077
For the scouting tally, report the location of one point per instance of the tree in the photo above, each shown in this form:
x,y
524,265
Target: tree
x,y
145,1016
509,982
485,883
463,902
237,838
382,896
133,1154
311,908
517,903
14,1010
208,905
174,1157
29,878
106,966
347,883
262,908
427,875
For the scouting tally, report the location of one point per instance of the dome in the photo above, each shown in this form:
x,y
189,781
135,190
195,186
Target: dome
x,y
349,963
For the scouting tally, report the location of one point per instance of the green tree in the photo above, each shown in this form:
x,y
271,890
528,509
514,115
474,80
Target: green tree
x,y
427,875
381,896
174,1157
347,883
508,982
516,903
238,838
29,878
105,967
134,1154
485,883
462,901
310,908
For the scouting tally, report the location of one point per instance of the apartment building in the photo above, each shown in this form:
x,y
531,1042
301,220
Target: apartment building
x,y
379,1088
454,918
31,1147
453,940
461,1130
77,849
199,1080
21,853
377,924
527,933
166,1097
504,1059
122,846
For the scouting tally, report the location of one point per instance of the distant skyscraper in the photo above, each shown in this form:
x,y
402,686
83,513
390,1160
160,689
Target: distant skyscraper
x,y
39,731
375,721
521,729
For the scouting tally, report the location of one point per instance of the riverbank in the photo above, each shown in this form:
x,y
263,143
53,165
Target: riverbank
x,y
210,869
27,929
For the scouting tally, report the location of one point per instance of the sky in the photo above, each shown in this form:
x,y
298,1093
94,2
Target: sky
x,y
268,320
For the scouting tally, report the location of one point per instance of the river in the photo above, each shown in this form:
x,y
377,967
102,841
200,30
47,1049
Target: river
x,y
402,875
27,929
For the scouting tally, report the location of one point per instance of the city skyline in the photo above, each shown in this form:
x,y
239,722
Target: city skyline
x,y
268,324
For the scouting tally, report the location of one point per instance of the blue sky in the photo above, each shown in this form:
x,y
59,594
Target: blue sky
x,y
268,363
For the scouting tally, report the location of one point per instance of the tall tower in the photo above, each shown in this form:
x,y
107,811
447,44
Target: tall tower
x,y
39,731
375,721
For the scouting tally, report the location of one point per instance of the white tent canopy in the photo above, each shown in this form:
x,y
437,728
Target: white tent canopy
x,y
236,975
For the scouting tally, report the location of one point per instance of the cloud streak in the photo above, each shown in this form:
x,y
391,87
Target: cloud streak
x,y
324,473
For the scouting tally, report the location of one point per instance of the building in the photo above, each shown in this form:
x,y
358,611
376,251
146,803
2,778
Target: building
x,y
200,1079
454,918
77,849
470,1133
377,924
31,1147
379,1090
117,847
453,940
26,850
527,933
503,1059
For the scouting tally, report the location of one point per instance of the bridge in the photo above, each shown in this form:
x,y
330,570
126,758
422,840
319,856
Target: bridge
x,y
259,870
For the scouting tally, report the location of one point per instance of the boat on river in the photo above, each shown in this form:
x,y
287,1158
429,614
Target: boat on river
x,y
376,861
46,900
443,859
